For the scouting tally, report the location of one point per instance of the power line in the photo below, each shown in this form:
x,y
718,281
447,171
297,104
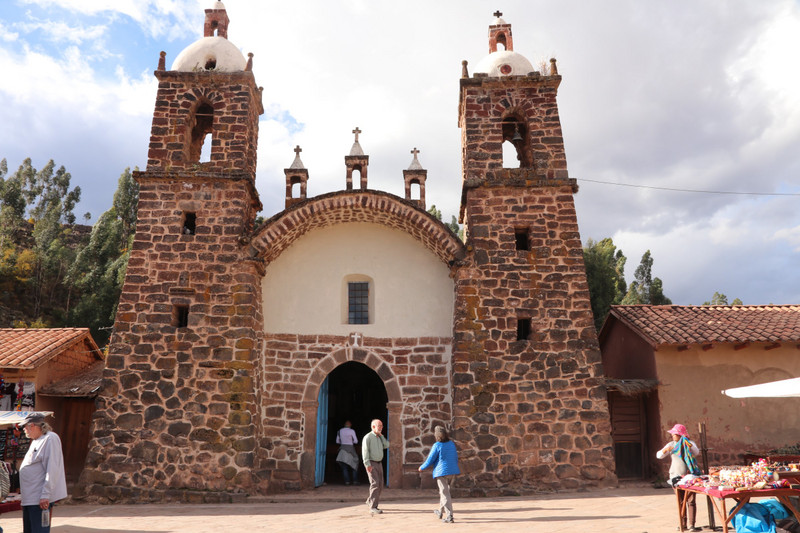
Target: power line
x,y
690,190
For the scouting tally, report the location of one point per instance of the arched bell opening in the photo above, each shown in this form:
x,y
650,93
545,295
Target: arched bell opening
x,y
515,143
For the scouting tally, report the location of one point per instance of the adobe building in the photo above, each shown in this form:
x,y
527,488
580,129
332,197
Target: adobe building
x,y
667,364
238,351
50,369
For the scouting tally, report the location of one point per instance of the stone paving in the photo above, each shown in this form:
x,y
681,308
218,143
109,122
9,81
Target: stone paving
x,y
332,509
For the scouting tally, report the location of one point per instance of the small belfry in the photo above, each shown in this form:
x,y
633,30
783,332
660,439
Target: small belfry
x,y
414,177
356,162
296,176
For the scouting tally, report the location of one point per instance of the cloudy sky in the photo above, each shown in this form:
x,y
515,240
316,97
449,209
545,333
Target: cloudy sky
x,y
657,98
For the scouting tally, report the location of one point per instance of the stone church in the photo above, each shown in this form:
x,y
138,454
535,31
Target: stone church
x,y
239,350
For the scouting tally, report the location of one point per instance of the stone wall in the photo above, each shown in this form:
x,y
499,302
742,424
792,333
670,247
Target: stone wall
x,y
415,372
174,414
530,412
528,407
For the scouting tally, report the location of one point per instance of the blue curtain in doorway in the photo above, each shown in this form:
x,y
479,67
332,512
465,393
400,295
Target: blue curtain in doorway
x,y
322,433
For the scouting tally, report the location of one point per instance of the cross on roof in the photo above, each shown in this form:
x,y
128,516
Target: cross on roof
x,y
415,151
297,150
356,131
497,14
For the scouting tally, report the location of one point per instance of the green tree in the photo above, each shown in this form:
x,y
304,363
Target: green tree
x,y
605,274
12,207
645,289
454,226
721,299
50,205
99,269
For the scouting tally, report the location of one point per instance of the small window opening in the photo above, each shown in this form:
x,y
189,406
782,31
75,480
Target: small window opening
x,y
214,29
189,223
415,190
523,329
501,42
211,63
358,302
180,316
296,188
522,239
202,133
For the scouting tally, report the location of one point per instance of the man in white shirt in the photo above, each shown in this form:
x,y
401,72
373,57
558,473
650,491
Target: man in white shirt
x,y
41,475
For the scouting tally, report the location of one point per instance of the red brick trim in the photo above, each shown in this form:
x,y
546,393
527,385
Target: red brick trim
x,y
327,364
280,231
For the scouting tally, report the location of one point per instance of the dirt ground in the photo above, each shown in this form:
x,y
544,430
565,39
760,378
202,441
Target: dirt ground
x,y
339,508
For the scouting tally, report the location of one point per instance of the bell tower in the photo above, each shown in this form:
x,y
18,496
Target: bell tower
x,y
175,412
527,401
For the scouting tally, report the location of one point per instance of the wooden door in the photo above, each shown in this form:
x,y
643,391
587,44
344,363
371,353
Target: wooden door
x,y
628,431
75,424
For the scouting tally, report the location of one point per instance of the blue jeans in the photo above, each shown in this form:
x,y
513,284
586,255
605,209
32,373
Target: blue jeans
x,y
347,471
32,519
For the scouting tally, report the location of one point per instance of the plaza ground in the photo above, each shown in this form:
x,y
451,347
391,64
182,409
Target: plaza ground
x,y
336,508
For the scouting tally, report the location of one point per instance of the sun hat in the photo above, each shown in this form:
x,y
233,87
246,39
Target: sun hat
x,y
33,418
679,429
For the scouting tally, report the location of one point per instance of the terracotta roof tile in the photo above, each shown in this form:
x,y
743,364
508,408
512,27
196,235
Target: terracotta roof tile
x,y
705,324
28,348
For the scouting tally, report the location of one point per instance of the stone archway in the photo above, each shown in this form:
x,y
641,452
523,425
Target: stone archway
x,y
394,407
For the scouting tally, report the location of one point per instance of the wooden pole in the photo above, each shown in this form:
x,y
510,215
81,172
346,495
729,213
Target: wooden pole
x,y
704,456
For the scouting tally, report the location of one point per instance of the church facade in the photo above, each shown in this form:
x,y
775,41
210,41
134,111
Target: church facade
x,y
238,351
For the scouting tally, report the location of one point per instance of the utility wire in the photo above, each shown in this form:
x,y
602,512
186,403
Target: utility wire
x,y
690,190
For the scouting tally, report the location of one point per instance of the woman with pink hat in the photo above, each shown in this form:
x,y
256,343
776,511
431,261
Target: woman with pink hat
x,y
682,452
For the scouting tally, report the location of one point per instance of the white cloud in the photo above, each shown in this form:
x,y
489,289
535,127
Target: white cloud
x,y
692,95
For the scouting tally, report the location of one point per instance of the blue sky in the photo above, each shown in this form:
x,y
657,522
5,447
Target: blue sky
x,y
684,95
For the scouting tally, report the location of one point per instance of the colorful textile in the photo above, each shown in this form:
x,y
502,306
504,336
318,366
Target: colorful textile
x,y
684,450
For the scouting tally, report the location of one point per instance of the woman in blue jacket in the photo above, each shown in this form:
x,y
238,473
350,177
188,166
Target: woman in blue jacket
x,y
444,459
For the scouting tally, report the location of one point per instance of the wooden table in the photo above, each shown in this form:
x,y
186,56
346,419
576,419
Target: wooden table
x,y
741,497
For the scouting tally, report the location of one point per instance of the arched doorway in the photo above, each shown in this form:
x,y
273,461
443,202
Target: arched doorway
x,y
354,392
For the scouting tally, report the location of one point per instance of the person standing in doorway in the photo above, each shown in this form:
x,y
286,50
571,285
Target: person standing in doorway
x,y
41,475
444,459
372,447
347,457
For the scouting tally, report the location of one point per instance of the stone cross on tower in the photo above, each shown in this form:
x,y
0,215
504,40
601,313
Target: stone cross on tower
x,y
498,13
414,152
297,150
356,131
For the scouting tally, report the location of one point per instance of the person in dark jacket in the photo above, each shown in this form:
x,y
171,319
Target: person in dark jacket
x,y
444,459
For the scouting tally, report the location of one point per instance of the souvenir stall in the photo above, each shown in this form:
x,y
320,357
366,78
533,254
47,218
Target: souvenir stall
x,y
14,446
739,484
776,479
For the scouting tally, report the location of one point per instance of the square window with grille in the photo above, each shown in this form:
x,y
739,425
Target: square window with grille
x,y
358,302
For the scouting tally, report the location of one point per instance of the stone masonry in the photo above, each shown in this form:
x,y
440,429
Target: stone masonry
x,y
200,403
175,413
527,403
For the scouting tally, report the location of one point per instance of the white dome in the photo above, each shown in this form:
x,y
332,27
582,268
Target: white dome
x,y
504,63
217,50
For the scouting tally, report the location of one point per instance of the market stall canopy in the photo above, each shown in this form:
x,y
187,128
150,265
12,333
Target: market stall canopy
x,y
785,388
18,417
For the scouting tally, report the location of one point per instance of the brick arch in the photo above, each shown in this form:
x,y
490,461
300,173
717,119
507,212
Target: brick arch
x,y
378,207
394,406
328,363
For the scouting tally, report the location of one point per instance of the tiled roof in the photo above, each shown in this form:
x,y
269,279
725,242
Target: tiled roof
x,y
680,325
28,348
